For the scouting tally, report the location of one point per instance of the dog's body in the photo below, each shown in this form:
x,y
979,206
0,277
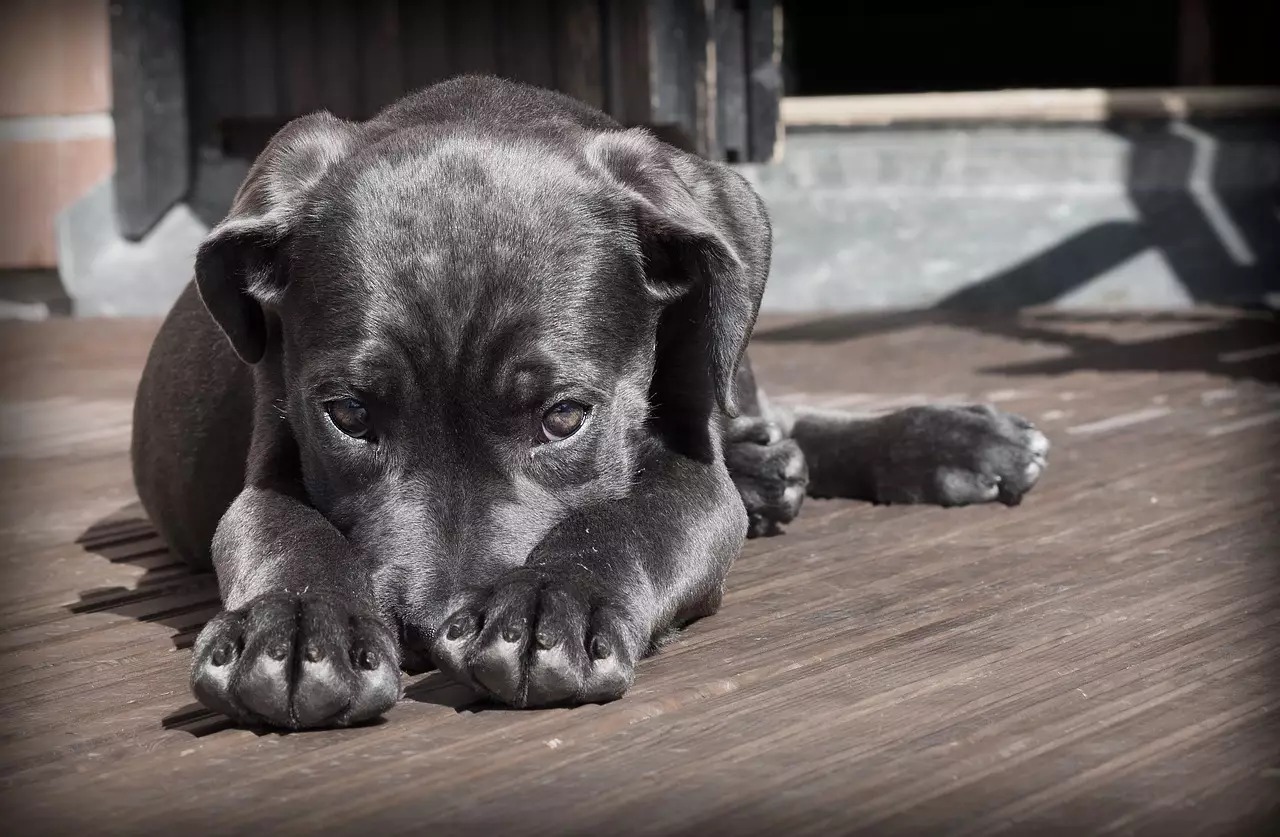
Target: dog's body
x,y
462,384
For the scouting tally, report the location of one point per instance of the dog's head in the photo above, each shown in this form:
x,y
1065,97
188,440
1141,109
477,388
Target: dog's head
x,y
470,334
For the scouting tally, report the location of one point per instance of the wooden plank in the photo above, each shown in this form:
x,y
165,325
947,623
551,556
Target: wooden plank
x,y
382,40
526,41
627,61
732,101
426,42
149,106
764,89
257,31
338,64
1101,656
473,37
300,58
579,56
679,36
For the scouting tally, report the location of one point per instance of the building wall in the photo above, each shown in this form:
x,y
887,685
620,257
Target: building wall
x,y
55,122
1142,215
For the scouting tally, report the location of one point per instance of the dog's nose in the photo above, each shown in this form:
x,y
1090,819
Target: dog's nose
x,y
415,651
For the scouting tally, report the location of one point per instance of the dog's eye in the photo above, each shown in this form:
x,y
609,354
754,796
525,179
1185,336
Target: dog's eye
x,y
349,416
563,420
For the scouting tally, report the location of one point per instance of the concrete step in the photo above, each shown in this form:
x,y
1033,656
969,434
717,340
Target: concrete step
x,y
1139,215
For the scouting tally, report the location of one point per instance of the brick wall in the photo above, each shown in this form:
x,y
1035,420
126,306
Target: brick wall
x,y
55,118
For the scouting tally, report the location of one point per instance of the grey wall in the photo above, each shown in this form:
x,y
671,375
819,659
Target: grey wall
x,y
1138,216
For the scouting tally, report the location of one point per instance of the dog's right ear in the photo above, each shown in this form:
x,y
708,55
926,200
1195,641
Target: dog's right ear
x,y
239,267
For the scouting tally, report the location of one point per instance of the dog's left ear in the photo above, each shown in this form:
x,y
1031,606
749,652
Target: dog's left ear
x,y
703,232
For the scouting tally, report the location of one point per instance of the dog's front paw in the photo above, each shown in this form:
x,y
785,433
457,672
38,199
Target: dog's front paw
x,y
958,456
296,661
769,471
540,636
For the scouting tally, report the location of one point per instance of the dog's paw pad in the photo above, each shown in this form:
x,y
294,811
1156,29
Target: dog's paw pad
x,y
296,661
538,637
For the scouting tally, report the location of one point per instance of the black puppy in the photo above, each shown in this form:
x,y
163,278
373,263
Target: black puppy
x,y
465,384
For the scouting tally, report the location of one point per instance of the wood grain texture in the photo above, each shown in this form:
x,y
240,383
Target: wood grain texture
x,y
473,30
382,78
628,61
526,41
732,81
337,60
577,36
149,111
257,28
426,42
1101,659
299,58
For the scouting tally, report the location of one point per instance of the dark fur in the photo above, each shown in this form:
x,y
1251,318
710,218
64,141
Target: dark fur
x,y
477,252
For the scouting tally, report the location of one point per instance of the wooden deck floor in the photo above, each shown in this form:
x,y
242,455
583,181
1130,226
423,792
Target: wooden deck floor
x,y
1101,659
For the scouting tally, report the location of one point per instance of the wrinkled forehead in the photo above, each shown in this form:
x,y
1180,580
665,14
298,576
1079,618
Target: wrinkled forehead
x,y
471,248
515,204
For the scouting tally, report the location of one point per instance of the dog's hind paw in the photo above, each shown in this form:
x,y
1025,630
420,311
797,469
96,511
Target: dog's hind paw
x,y
769,471
958,456
296,661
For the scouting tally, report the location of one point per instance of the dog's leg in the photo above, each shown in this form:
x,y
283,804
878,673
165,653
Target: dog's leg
x,y
940,455
943,455
599,590
299,643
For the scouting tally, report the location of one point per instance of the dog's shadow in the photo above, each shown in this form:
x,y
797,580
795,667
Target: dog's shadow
x,y
167,593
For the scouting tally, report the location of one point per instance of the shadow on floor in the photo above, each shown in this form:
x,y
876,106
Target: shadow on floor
x,y
438,690
199,722
167,593
1236,348
1207,213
